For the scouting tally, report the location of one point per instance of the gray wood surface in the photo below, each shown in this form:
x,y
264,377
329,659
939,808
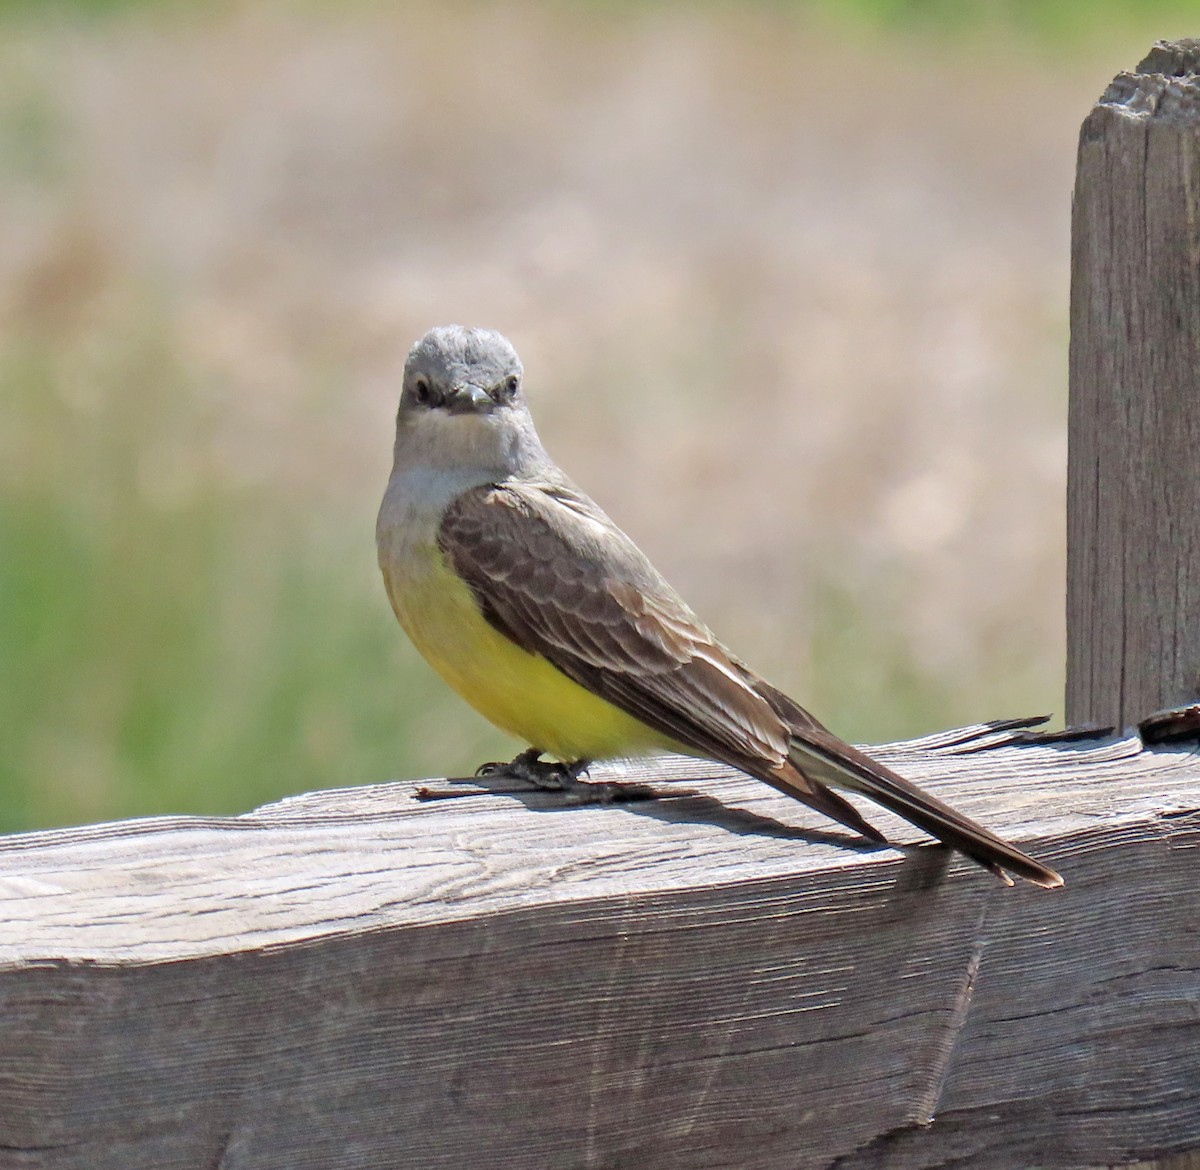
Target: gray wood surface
x,y
1133,498
356,979
1178,1162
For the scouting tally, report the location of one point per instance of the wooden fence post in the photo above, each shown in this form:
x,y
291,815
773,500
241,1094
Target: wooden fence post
x,y
1133,494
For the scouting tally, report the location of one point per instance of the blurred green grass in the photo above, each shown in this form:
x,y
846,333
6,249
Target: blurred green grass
x,y
173,642
1032,18
1070,21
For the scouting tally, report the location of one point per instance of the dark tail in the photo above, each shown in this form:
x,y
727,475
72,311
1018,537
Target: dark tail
x,y
824,759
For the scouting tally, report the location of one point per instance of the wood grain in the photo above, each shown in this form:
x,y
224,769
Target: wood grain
x,y
1179,1162
1133,495
356,979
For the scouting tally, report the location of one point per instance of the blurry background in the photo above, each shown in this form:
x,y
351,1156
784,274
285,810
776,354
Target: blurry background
x,y
789,282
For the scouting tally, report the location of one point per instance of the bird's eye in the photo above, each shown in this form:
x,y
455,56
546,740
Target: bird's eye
x,y
510,385
421,392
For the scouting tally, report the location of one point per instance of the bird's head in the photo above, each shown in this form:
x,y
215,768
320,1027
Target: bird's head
x,y
462,405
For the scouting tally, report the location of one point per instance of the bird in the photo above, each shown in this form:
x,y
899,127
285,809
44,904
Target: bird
x,y
543,615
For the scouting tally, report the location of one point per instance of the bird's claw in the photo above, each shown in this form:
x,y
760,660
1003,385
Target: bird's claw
x,y
546,776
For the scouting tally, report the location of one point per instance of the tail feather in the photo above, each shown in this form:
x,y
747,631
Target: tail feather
x,y
791,781
824,759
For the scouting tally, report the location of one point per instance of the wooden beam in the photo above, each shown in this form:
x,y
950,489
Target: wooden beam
x,y
723,979
1133,497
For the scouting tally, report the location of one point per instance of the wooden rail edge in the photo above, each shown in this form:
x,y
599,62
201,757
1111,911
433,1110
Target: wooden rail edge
x,y
354,978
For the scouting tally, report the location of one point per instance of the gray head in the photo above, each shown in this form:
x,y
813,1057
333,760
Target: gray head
x,y
461,371
462,405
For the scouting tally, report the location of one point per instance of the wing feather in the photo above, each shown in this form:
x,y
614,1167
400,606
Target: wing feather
x,y
583,596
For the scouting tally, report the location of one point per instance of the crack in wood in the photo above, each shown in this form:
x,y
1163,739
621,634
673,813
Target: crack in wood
x,y
957,1021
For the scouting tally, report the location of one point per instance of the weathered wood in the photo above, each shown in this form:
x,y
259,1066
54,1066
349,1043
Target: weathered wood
x,y
354,979
1133,497
1180,1162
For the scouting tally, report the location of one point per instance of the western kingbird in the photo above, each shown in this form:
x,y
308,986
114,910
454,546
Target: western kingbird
x,y
527,599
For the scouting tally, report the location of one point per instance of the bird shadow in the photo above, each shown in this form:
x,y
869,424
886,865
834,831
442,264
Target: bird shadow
x,y
673,806
696,808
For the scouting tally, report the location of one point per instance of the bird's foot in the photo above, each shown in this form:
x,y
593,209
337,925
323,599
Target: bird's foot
x,y
546,776
531,769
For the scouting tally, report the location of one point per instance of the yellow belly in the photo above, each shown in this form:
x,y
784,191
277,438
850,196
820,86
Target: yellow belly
x,y
521,693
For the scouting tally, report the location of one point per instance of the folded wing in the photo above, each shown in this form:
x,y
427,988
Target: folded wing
x,y
552,573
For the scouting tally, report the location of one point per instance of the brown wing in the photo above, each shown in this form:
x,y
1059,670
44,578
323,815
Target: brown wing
x,y
551,572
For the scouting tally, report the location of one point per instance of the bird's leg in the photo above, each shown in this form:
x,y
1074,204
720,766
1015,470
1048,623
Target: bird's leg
x,y
527,766
530,768
549,776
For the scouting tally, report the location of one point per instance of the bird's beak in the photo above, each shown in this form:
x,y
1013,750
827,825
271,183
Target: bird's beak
x,y
469,399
